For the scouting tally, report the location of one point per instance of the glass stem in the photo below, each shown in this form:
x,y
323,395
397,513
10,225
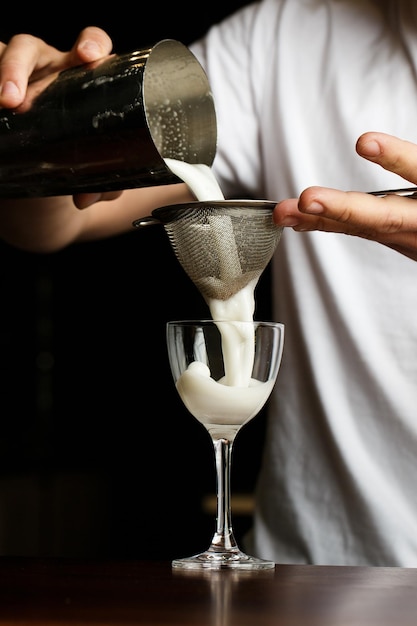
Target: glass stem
x,y
223,538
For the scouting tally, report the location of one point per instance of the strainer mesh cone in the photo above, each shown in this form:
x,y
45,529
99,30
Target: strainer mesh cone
x,y
222,246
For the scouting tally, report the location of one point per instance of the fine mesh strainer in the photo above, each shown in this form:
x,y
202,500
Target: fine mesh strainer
x,y
221,245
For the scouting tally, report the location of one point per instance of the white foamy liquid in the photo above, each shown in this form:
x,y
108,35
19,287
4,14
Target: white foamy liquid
x,y
238,397
214,402
198,177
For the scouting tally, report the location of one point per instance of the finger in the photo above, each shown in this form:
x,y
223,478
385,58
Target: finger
x,y
27,59
320,208
286,213
391,153
355,211
93,43
84,200
404,242
391,221
18,61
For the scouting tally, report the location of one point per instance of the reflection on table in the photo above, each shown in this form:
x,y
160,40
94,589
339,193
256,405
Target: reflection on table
x,y
74,592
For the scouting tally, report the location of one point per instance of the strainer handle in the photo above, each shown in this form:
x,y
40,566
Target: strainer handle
x,y
146,221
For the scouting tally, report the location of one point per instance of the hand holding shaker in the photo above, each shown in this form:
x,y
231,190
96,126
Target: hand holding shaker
x,y
109,125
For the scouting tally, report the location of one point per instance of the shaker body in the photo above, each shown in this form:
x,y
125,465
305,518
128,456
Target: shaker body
x,y
109,126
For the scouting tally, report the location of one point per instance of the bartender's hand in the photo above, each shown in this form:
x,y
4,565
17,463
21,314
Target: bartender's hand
x,y
391,220
28,64
26,61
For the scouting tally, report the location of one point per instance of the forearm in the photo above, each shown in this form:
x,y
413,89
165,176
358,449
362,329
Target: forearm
x,y
50,224
106,219
40,224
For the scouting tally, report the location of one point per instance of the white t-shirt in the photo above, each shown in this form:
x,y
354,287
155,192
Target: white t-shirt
x,y
295,82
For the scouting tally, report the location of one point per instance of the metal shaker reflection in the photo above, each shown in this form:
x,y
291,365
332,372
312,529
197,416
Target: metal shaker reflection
x,y
109,125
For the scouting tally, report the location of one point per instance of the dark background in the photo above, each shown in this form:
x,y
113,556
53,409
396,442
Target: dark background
x,y
98,456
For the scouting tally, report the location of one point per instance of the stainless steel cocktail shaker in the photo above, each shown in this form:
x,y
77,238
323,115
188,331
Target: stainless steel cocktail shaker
x,y
109,125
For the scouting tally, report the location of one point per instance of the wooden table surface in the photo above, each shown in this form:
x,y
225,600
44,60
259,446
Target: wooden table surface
x,y
71,592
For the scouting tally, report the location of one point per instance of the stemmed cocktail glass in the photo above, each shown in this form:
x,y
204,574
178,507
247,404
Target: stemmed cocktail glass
x,y
224,372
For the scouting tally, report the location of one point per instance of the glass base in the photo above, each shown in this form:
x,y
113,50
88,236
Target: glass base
x,y
215,560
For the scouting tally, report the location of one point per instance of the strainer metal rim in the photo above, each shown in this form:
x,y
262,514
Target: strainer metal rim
x,y
169,213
